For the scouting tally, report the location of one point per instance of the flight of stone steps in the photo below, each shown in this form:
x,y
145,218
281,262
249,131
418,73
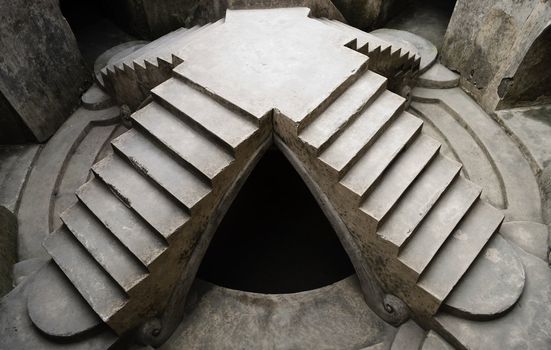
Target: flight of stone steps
x,y
124,244
388,60
130,78
418,222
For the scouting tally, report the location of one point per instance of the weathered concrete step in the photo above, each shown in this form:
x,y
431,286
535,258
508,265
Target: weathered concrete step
x,y
321,130
361,133
115,259
419,200
399,177
141,239
189,144
438,225
51,290
460,250
99,290
158,164
491,286
369,168
150,202
224,125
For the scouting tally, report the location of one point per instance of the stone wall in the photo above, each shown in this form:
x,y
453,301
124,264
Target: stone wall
x,y
369,14
41,70
487,41
149,19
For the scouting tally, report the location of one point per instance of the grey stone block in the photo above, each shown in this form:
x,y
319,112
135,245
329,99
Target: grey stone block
x,y
42,73
488,49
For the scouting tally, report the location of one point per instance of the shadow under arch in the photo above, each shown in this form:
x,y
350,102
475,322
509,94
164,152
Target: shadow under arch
x,y
390,308
274,238
531,83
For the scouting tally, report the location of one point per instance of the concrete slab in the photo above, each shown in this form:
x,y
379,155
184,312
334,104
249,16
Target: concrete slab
x,y
295,71
526,326
477,298
22,334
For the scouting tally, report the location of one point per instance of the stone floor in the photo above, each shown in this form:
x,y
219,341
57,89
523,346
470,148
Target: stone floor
x,y
503,153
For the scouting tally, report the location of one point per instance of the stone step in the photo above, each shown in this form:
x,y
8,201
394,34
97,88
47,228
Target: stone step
x,y
115,259
448,212
153,161
399,177
361,133
151,51
460,250
137,192
419,199
333,120
188,143
374,44
369,168
99,290
223,125
131,230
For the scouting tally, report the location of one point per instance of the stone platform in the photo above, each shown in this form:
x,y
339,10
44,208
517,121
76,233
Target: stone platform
x,y
423,238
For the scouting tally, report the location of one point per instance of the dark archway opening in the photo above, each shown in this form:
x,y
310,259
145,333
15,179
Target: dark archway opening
x,y
426,18
531,84
93,27
275,238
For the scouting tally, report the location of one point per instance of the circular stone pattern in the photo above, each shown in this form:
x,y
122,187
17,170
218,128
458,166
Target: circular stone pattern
x,y
56,308
491,286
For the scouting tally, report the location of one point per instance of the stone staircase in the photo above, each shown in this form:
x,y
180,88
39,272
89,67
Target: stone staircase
x,y
420,224
389,60
130,78
150,200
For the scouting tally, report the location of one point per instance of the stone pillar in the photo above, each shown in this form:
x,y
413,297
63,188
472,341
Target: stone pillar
x,y
41,70
487,41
